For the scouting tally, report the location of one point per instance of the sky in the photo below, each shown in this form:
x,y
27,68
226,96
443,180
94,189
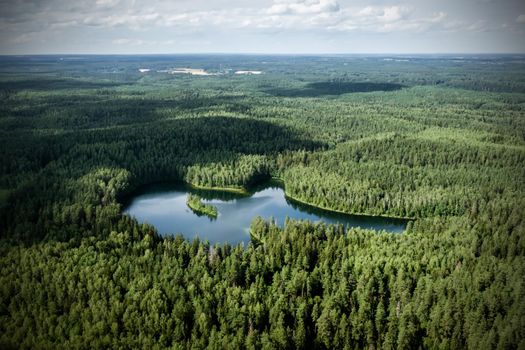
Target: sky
x,y
261,26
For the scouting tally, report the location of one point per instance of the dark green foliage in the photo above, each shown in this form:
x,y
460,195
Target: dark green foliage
x,y
327,88
447,149
305,286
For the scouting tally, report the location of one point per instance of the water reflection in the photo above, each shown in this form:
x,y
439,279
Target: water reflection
x,y
164,206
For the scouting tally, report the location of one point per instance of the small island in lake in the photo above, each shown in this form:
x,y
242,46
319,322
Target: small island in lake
x,y
195,203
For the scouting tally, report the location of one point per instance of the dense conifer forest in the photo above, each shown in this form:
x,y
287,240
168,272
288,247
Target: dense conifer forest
x,y
438,140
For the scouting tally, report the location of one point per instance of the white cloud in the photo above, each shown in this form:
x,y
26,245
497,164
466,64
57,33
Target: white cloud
x,y
319,16
107,3
384,14
133,21
296,15
283,7
478,26
22,38
125,41
389,19
391,14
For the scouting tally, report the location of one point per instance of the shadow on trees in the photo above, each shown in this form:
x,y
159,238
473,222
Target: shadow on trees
x,y
360,220
157,151
328,88
53,84
105,108
150,152
185,141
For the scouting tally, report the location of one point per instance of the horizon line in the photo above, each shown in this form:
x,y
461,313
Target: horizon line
x,y
268,54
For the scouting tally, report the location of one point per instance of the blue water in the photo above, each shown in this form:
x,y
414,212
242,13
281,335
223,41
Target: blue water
x,y
164,206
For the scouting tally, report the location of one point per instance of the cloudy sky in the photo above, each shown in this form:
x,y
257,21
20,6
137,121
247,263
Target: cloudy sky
x,y
261,26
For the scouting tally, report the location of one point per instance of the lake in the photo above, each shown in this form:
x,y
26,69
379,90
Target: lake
x,y
164,206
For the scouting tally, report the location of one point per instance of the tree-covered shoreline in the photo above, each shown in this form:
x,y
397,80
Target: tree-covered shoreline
x,y
194,202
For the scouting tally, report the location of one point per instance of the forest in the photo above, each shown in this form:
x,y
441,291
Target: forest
x,y
439,140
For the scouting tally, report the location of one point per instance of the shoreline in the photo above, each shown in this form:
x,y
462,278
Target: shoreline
x,y
281,184
200,208
294,199
238,190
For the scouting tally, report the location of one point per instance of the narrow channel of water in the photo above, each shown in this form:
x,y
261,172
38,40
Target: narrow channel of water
x,y
164,206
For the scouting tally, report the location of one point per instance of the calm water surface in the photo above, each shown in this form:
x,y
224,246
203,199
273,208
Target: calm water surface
x,y
164,206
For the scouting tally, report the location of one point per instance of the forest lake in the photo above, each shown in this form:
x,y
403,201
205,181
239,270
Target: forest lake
x,y
164,206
